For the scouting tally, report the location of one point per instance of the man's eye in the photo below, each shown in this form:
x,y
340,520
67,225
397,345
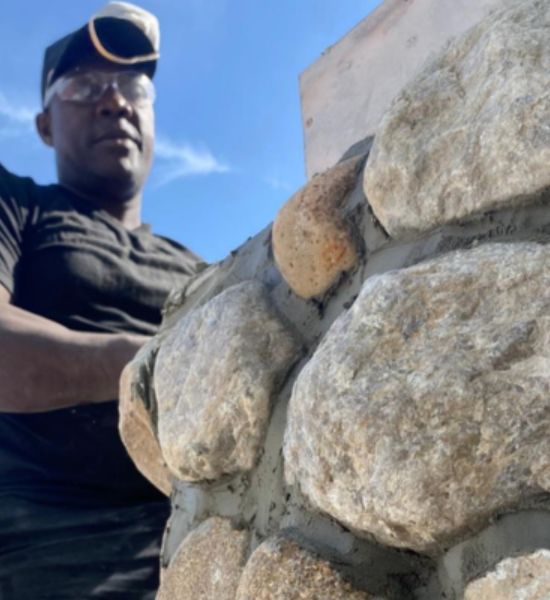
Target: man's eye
x,y
129,81
137,87
87,87
81,88
127,77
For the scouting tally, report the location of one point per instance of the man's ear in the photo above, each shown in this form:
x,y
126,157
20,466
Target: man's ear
x,y
44,127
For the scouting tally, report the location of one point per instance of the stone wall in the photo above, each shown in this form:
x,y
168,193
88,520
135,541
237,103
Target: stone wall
x,y
356,403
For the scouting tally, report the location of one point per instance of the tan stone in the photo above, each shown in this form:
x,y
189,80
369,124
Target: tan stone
x,y
280,569
312,241
207,565
424,412
216,374
471,132
520,578
136,429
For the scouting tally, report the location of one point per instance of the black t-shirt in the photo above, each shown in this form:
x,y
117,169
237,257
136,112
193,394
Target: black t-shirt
x,y
64,259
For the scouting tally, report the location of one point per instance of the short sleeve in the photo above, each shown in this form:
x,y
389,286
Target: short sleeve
x,y
14,212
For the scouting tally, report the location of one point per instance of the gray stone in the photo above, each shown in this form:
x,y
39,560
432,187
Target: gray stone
x,y
207,565
424,411
280,569
216,373
519,578
471,133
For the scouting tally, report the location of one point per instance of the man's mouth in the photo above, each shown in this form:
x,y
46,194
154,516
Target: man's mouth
x,y
118,137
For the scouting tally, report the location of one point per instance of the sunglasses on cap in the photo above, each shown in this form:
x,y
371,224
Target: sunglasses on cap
x,y
87,87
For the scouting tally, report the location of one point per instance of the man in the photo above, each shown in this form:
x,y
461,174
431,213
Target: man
x,y
82,284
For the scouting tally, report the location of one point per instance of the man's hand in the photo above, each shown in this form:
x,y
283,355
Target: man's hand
x,y
45,366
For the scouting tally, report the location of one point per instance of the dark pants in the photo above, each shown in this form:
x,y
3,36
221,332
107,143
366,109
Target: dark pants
x,y
66,553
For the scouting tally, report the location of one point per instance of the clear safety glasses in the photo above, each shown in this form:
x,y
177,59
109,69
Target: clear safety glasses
x,y
87,87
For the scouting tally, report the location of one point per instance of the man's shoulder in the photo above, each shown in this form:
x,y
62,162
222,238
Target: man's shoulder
x,y
169,242
194,261
24,192
20,190
14,184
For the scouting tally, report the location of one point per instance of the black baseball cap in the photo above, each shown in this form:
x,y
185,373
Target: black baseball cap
x,y
120,32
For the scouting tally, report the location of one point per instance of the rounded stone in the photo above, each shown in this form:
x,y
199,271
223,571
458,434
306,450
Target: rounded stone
x,y
471,132
518,578
216,374
280,569
207,565
430,399
313,243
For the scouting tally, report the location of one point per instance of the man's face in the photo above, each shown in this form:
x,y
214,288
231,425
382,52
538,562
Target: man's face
x,y
102,147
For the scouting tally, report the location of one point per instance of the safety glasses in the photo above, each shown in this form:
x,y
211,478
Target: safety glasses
x,y
87,87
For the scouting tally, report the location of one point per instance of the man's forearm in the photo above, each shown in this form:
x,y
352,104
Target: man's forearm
x,y
44,366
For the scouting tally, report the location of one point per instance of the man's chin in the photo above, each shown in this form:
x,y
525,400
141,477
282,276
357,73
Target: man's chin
x,y
119,163
120,177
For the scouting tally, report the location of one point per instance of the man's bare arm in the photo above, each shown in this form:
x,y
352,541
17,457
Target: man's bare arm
x,y
44,366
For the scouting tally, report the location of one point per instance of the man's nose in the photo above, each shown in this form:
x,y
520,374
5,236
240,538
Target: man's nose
x,y
113,103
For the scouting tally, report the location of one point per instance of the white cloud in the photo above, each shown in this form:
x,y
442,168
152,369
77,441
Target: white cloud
x,y
183,160
278,184
20,115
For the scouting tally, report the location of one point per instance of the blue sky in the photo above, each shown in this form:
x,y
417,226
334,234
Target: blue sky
x,y
229,147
